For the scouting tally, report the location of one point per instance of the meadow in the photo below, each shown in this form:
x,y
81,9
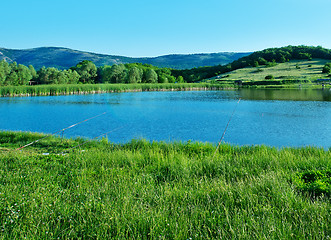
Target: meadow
x,y
299,71
63,188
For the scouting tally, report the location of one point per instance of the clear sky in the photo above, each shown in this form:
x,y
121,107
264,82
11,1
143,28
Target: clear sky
x,y
152,28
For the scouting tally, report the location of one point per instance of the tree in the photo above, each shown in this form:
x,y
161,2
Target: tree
x,y
105,74
72,76
24,75
4,71
87,71
150,76
118,73
48,76
327,68
12,79
180,79
134,75
32,71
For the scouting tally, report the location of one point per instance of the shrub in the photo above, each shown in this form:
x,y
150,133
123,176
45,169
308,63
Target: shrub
x,y
268,77
314,182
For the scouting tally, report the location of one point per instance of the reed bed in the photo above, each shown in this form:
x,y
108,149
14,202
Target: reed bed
x,y
68,89
157,190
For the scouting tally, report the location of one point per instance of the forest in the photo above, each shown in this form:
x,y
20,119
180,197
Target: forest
x,y
13,74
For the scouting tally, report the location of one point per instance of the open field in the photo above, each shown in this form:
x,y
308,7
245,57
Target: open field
x,y
295,69
158,190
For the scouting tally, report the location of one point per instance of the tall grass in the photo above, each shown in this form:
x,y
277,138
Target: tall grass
x,y
43,90
157,190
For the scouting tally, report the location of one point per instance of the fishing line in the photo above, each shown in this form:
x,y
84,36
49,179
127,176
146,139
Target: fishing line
x,y
219,143
60,131
90,140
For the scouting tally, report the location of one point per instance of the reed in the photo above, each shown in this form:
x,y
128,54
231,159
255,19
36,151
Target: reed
x,y
68,89
142,190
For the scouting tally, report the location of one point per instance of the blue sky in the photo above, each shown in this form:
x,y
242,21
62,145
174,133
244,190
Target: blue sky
x,y
152,28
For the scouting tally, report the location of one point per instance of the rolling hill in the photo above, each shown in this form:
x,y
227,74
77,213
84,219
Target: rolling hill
x,y
64,58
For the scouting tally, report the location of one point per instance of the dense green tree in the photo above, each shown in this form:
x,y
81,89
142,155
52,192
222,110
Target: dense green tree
x,y
49,76
4,71
327,68
118,73
32,71
87,71
105,74
135,75
72,77
150,76
12,79
23,74
180,79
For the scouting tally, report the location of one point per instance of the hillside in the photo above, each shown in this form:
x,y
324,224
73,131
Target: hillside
x,y
261,59
294,69
64,58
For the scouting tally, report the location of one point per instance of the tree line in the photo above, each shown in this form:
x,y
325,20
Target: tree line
x,y
85,72
88,72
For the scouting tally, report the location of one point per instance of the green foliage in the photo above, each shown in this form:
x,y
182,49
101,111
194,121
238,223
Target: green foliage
x,y
150,76
87,71
13,74
271,64
269,77
135,75
327,68
180,79
314,182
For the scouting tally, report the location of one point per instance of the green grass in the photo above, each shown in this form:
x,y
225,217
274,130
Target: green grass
x,y
143,190
295,71
46,90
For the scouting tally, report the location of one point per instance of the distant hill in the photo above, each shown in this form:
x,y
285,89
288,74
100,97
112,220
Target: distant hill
x,y
64,58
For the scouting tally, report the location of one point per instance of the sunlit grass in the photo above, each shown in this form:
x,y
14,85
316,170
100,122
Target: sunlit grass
x,y
67,89
157,190
295,69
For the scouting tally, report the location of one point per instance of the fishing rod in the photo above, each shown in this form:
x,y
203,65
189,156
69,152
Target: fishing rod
x,y
219,143
90,140
60,131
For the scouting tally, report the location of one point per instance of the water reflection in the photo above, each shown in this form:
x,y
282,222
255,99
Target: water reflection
x,y
286,94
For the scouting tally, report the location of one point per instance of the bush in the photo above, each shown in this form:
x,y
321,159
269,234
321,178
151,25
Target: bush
x,y
268,77
327,68
314,182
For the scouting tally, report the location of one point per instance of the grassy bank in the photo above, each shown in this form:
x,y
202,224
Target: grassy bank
x,y
159,190
68,89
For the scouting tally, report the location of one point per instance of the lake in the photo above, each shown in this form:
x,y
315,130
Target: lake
x,y
279,118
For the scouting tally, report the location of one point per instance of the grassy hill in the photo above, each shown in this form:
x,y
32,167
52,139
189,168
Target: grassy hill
x,y
294,69
254,66
64,58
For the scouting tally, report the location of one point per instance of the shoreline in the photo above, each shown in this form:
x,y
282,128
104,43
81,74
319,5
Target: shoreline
x,y
79,89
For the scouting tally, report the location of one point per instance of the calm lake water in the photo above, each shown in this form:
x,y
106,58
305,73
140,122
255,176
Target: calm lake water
x,y
273,117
